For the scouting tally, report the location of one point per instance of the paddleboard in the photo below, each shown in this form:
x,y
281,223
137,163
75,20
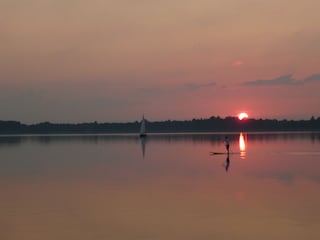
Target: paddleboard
x,y
223,153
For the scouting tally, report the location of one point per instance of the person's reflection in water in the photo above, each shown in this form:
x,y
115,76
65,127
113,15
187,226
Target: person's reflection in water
x,y
227,163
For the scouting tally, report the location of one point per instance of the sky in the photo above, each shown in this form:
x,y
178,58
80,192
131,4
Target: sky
x,y
115,60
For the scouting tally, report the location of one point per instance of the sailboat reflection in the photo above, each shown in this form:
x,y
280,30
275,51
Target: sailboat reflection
x,y
242,145
143,145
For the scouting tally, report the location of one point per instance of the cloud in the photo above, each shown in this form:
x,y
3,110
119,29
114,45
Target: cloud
x,y
312,78
283,80
238,63
194,86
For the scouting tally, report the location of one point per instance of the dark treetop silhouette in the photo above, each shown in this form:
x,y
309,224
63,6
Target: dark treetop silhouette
x,y
212,124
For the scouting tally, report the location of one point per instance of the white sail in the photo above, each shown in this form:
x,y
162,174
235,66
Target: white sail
x,y
143,127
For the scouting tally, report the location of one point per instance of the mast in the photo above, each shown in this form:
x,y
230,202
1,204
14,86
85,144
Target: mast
x,y
143,127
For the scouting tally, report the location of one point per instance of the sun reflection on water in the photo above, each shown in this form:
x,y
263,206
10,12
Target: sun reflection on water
x,y
242,145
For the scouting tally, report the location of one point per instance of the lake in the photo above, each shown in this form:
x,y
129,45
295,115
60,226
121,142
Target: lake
x,y
166,186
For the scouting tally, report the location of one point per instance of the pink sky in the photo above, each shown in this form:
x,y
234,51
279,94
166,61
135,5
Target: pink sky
x,y
77,61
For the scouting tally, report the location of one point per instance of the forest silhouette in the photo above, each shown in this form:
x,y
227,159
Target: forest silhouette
x,y
212,124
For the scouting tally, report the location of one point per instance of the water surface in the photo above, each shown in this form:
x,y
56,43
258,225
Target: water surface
x,y
167,186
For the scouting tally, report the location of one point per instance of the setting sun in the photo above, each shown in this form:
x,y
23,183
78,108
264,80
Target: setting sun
x,y
242,116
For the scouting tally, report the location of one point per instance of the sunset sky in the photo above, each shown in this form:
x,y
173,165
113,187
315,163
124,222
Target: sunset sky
x,y
107,60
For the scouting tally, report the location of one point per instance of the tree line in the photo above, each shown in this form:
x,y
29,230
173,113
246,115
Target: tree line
x,y
212,124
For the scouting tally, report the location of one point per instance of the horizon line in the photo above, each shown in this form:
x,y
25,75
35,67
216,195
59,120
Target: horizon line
x,y
122,122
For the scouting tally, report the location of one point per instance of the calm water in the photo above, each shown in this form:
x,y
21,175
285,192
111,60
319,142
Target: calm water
x,y
165,187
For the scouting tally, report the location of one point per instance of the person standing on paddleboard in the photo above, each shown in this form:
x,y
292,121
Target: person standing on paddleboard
x,y
227,143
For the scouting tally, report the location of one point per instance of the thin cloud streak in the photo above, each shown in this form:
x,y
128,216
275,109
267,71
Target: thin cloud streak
x,y
312,78
194,86
283,80
177,88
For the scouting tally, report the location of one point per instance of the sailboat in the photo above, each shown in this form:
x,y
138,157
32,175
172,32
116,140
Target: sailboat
x,y
143,127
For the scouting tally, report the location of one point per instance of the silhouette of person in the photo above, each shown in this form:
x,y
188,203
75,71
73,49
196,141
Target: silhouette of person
x,y
227,162
227,143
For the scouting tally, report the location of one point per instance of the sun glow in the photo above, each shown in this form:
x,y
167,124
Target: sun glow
x,y
242,116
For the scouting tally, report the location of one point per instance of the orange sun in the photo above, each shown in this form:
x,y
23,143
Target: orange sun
x,y
242,116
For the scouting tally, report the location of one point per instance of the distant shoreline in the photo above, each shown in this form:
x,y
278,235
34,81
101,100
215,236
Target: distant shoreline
x,y
212,124
154,134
